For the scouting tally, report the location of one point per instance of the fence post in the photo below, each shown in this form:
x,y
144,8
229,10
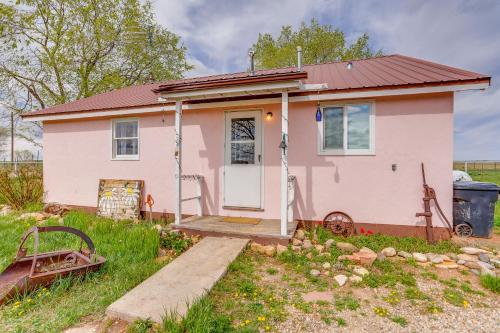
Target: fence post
x,y
465,166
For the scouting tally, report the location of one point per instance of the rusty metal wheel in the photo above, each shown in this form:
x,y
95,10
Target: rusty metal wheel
x,y
463,230
339,223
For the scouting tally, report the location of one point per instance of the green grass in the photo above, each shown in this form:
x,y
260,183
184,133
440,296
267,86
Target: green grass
x,y
491,282
400,320
490,176
377,242
346,303
130,251
200,318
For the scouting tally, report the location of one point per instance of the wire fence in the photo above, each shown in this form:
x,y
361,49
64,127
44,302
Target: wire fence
x,y
476,165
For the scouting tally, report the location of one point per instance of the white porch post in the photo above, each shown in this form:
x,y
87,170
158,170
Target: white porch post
x,y
178,162
284,164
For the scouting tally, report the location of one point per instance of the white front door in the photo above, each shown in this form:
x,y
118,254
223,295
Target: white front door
x,y
242,159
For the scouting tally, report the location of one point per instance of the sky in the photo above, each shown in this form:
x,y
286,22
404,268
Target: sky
x,y
464,34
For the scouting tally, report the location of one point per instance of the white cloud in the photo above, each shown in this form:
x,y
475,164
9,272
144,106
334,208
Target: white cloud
x,y
459,33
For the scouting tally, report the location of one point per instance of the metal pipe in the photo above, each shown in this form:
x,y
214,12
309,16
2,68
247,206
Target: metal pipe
x,y
299,58
251,53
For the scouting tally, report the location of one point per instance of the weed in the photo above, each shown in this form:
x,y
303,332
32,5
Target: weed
x,y
433,308
200,318
176,242
465,287
140,326
380,311
340,321
347,302
272,271
413,293
400,320
491,282
429,275
455,297
393,298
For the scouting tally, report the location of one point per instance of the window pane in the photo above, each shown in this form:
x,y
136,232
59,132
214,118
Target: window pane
x,y
334,128
126,129
243,153
127,147
243,129
358,126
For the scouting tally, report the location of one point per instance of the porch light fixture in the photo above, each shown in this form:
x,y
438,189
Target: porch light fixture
x,y
269,116
349,65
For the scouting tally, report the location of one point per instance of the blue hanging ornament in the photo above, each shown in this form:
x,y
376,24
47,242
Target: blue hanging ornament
x,y
318,114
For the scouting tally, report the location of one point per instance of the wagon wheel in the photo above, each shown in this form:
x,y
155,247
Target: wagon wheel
x,y
463,230
339,223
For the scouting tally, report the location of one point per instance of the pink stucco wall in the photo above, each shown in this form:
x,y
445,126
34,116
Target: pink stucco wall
x,y
409,130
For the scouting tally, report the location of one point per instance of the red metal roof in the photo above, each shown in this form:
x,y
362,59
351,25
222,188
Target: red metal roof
x,y
374,73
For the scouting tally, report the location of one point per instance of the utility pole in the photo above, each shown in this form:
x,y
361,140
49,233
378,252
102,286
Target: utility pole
x,y
12,136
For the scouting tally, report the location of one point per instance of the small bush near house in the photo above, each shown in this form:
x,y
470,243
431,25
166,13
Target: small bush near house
x,y
21,189
491,282
176,242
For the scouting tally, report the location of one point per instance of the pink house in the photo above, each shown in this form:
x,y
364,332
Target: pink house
x,y
282,145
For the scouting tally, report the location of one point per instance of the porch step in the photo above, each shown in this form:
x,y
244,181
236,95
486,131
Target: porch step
x,y
184,280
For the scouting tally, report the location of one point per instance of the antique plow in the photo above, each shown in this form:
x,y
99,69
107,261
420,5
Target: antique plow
x,y
28,273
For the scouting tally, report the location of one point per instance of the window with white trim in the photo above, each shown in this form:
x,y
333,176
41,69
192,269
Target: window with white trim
x,y
346,129
126,139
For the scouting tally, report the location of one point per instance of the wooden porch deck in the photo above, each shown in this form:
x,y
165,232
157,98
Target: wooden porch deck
x,y
266,232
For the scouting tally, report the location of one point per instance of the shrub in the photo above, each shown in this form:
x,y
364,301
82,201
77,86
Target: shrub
x,y
23,188
176,242
491,282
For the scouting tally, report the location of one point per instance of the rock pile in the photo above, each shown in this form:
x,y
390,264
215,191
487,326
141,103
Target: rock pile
x,y
479,261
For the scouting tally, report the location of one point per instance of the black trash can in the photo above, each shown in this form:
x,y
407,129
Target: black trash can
x,y
474,208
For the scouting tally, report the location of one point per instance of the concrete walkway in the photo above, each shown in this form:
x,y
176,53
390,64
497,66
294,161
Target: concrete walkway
x,y
184,280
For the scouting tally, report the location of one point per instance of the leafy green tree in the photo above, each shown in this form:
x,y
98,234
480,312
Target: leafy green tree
x,y
320,43
56,51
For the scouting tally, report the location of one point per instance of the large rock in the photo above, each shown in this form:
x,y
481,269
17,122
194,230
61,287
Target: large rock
x,y
472,250
381,257
319,248
355,278
36,216
495,263
419,257
5,210
447,265
472,265
485,265
326,265
56,208
307,244
280,249
365,258
484,257
404,254
361,271
329,243
485,271
389,252
467,257
256,247
269,250
346,247
341,279
300,234
296,248
296,242
314,272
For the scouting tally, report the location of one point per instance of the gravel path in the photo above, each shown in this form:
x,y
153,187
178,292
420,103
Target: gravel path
x,y
483,314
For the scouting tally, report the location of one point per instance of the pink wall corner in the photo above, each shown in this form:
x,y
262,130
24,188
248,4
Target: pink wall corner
x,y
409,130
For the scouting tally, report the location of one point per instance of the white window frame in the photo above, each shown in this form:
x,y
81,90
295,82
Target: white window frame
x,y
345,150
116,157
